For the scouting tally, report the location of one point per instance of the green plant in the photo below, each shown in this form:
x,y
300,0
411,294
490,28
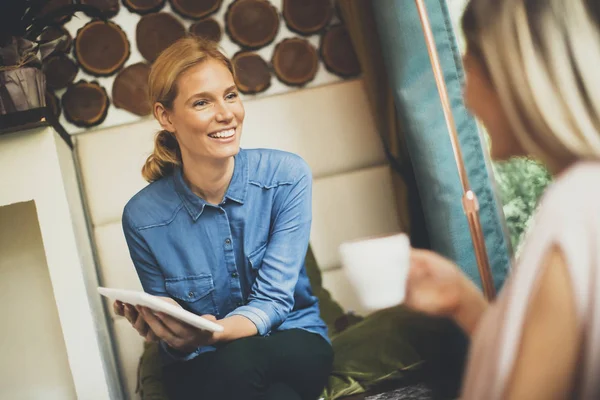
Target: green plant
x,y
521,183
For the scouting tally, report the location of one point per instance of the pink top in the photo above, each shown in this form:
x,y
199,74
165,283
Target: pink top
x,y
568,216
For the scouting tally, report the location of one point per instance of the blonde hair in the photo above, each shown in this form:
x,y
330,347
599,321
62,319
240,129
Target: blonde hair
x,y
542,57
168,67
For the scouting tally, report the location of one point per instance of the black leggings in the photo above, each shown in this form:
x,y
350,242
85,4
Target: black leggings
x,y
287,365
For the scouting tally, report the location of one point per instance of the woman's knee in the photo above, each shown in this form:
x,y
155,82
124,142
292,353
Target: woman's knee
x,y
233,366
242,365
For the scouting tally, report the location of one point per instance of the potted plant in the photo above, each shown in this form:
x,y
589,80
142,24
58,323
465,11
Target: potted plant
x,y
22,82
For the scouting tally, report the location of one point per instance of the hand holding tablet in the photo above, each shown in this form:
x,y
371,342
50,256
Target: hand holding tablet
x,y
136,298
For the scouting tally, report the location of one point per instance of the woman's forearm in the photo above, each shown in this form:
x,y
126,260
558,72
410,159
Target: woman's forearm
x,y
236,327
471,308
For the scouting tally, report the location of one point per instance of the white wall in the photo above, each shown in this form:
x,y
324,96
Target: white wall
x,y
33,357
36,165
79,222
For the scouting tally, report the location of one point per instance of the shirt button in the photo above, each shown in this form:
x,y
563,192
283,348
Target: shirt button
x,y
191,294
234,274
239,304
227,241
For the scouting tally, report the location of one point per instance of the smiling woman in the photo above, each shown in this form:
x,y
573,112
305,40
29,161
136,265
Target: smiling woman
x,y
190,109
223,232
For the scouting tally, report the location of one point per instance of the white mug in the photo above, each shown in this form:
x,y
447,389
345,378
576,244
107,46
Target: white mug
x,y
377,268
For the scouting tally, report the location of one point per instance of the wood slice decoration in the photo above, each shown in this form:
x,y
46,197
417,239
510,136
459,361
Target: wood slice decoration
x,y
85,104
252,72
130,89
195,9
53,5
60,71
109,8
143,7
208,29
53,33
53,104
338,53
101,48
295,61
307,16
252,23
156,32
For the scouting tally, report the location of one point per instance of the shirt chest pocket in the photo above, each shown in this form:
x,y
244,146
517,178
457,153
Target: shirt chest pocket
x,y
194,293
255,259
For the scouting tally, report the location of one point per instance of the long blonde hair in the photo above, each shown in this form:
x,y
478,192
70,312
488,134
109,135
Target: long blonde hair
x,y
542,57
170,64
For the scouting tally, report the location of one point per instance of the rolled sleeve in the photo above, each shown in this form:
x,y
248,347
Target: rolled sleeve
x,y
258,316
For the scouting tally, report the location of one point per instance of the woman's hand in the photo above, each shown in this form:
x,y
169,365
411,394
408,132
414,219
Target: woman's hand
x,y
176,334
159,326
132,315
437,287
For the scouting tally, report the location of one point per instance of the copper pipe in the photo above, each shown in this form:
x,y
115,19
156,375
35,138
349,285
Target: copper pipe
x,y
469,200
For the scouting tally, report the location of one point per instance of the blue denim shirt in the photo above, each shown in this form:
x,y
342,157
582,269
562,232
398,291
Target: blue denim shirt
x,y
244,256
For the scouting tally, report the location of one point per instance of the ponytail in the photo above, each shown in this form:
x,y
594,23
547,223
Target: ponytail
x,y
164,159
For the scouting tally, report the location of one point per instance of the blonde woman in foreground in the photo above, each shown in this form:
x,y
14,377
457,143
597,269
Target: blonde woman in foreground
x,y
533,80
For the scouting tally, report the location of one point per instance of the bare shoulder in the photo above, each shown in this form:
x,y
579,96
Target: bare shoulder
x,y
545,365
554,290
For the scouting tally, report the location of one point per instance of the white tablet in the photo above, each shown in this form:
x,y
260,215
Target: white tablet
x,y
136,298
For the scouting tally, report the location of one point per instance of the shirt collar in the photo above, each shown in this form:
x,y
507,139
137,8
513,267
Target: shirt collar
x,y
236,191
239,181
